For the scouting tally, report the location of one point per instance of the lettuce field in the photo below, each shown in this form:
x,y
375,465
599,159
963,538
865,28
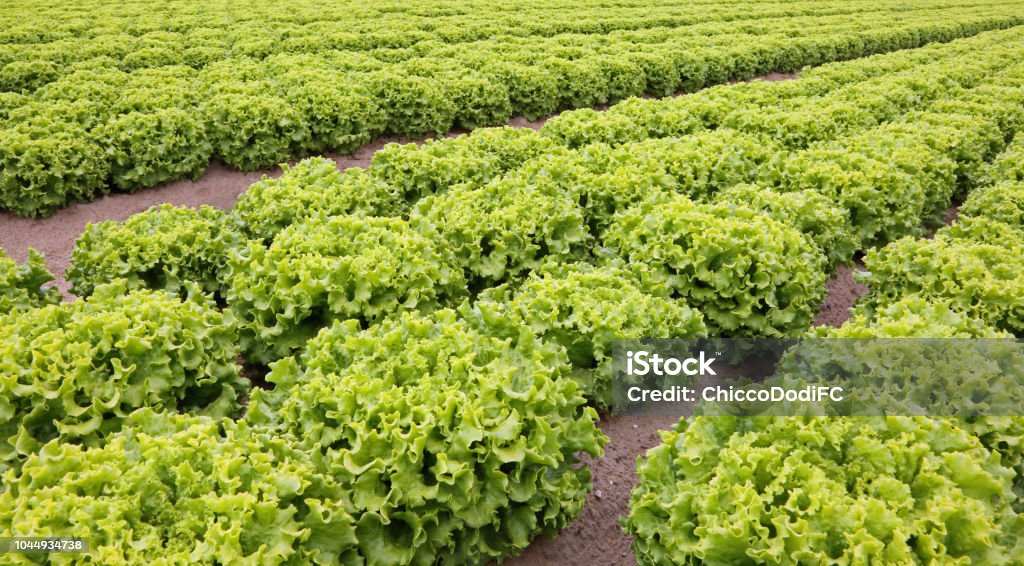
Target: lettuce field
x,y
410,360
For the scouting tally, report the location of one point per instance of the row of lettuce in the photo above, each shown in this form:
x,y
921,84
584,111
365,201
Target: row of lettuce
x,y
68,33
130,41
436,326
722,489
73,131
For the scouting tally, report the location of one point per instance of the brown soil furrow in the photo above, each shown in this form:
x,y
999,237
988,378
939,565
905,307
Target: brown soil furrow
x,y
842,293
595,537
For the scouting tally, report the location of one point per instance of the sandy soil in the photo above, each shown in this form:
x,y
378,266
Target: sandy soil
x,y
771,77
595,537
842,293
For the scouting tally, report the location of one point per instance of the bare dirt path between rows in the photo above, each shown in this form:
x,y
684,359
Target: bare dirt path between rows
x,y
219,186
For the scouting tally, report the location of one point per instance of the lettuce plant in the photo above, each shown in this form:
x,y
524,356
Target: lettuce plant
x,y
604,180
585,309
883,202
930,167
334,268
44,166
480,99
414,105
1003,202
748,274
22,286
980,279
250,129
149,148
671,119
341,116
708,162
420,170
1009,165
28,75
586,126
728,490
99,84
581,82
454,446
310,187
74,371
915,317
970,141
984,230
11,101
810,212
532,90
801,123
164,248
910,317
187,489
500,231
